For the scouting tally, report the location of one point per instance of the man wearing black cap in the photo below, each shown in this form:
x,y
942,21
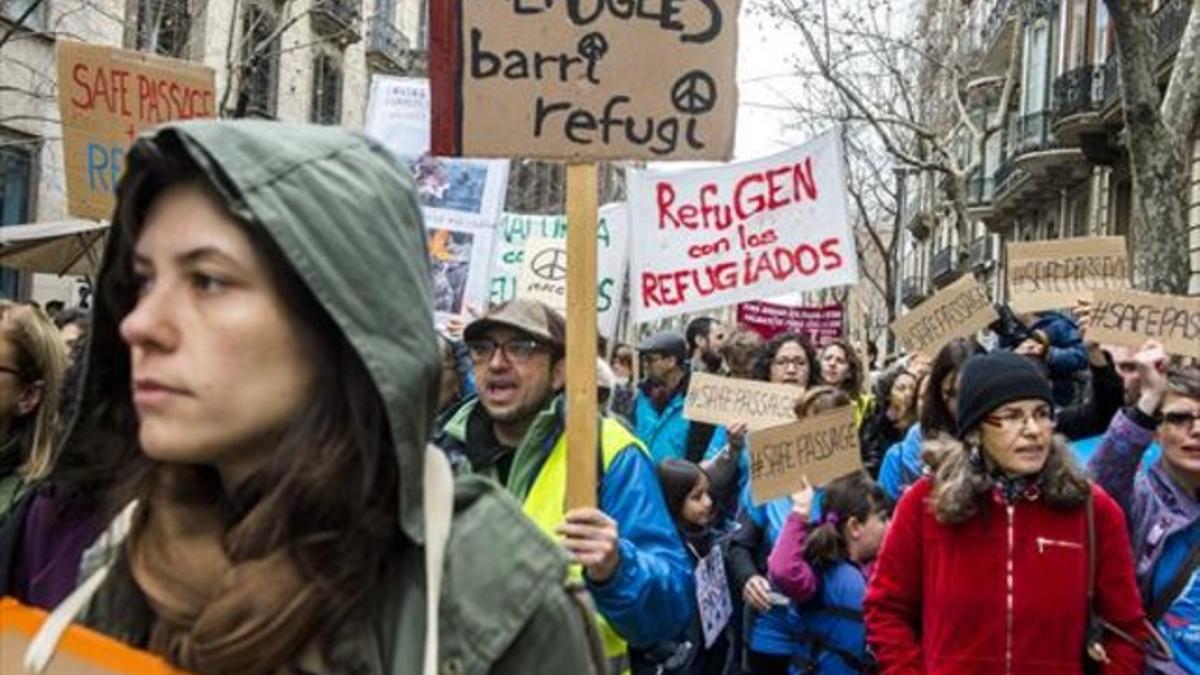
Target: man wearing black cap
x,y
632,559
658,409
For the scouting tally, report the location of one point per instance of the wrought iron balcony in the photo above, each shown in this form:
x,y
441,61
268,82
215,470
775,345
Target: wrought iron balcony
x,y
944,266
980,189
1168,23
912,291
1111,74
338,20
1078,91
386,45
982,252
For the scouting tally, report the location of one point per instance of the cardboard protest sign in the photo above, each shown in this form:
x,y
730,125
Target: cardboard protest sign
x,y
712,595
453,192
458,262
1054,274
80,651
1131,318
713,399
822,447
612,238
821,324
106,96
718,236
958,310
584,80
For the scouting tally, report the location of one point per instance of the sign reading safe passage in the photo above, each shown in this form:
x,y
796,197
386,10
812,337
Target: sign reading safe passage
x,y
106,96
1131,318
822,447
958,310
1055,274
724,400
568,79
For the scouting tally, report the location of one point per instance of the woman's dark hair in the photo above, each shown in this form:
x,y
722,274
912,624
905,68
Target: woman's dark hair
x,y
887,382
762,365
329,492
935,416
818,399
678,477
854,377
853,496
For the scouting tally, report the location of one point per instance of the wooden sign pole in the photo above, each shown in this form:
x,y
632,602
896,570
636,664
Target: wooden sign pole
x,y
582,414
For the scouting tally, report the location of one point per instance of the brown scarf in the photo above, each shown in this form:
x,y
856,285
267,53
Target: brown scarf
x,y
215,614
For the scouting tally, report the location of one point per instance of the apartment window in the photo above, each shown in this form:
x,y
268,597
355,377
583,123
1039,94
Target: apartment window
x,y
1104,36
16,177
1075,41
260,59
1037,67
163,27
327,89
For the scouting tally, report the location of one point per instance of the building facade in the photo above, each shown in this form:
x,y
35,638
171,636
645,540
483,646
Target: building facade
x,y
1057,167
292,60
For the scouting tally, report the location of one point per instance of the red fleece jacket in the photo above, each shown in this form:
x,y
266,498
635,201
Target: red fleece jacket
x,y
938,601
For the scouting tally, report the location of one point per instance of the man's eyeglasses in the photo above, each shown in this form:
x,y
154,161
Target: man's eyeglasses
x,y
516,351
1181,419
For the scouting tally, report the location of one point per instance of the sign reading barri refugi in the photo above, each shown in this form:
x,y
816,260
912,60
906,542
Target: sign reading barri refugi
x,y
106,96
714,237
584,79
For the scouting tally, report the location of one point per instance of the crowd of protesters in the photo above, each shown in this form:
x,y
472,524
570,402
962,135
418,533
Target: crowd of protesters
x,y
255,454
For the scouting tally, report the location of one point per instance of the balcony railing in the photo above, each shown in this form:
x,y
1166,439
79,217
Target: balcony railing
x,y
1168,24
944,264
1112,78
980,189
339,20
1078,91
912,290
386,44
982,251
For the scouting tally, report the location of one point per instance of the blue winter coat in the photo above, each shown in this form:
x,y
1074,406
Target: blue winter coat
x,y
902,464
1066,355
829,627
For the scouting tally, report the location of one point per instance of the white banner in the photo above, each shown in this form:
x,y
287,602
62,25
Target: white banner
x,y
452,191
612,240
714,237
458,262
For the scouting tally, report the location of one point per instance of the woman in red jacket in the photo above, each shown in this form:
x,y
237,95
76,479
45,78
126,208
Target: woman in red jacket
x,y
984,568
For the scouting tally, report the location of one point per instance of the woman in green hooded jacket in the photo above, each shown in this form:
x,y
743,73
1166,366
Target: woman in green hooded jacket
x,y
261,386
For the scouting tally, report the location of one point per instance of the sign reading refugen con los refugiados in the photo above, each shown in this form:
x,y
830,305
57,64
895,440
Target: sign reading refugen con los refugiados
x,y
584,80
718,236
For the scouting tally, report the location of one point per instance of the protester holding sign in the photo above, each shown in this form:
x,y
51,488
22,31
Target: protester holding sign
x,y
1004,497
1162,504
685,486
823,568
1053,339
769,645
627,551
658,409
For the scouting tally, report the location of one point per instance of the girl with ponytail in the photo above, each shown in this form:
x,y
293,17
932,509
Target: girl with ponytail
x,y
823,566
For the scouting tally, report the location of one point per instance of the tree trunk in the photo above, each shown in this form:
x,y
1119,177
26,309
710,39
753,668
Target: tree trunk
x,y
1160,238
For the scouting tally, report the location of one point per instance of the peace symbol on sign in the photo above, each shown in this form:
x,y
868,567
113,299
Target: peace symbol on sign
x,y
550,264
694,93
593,46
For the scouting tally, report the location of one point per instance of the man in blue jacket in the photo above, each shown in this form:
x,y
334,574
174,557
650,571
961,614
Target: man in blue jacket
x,y
629,552
658,408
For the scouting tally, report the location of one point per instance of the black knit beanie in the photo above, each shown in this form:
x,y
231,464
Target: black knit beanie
x,y
988,381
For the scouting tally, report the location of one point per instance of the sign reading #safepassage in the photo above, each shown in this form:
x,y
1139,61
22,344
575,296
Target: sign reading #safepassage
x,y
105,97
584,79
719,236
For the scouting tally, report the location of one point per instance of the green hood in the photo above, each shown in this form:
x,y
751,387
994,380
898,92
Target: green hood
x,y
346,217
